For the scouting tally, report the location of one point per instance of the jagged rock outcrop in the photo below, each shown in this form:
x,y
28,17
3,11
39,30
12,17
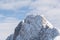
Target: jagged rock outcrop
x,y
34,27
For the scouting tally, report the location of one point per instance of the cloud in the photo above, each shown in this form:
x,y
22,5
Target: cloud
x,y
11,19
14,4
39,4
49,8
7,26
57,38
6,29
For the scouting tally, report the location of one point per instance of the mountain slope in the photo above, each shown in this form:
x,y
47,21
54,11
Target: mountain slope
x,y
34,27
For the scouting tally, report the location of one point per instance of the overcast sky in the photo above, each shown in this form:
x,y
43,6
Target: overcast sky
x,y
13,11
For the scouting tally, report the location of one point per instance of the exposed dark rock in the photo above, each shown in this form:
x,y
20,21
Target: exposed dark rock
x,y
34,28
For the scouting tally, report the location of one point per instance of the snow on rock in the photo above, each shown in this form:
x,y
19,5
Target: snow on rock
x,y
34,27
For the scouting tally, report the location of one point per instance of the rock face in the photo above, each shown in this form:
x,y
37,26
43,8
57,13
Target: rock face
x,y
34,27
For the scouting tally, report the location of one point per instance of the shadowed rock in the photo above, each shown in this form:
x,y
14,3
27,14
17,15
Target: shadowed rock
x,y
17,29
34,28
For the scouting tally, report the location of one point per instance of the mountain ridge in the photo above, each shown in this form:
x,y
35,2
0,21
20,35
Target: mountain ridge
x,y
34,27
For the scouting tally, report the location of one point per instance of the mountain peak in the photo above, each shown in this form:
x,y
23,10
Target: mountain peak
x,y
34,27
38,18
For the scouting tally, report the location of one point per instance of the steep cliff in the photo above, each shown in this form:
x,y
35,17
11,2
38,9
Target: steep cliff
x,y
34,27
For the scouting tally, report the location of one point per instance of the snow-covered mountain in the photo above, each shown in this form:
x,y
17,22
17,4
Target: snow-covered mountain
x,y
34,27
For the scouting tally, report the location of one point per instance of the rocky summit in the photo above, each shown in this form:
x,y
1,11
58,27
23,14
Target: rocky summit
x,y
34,27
